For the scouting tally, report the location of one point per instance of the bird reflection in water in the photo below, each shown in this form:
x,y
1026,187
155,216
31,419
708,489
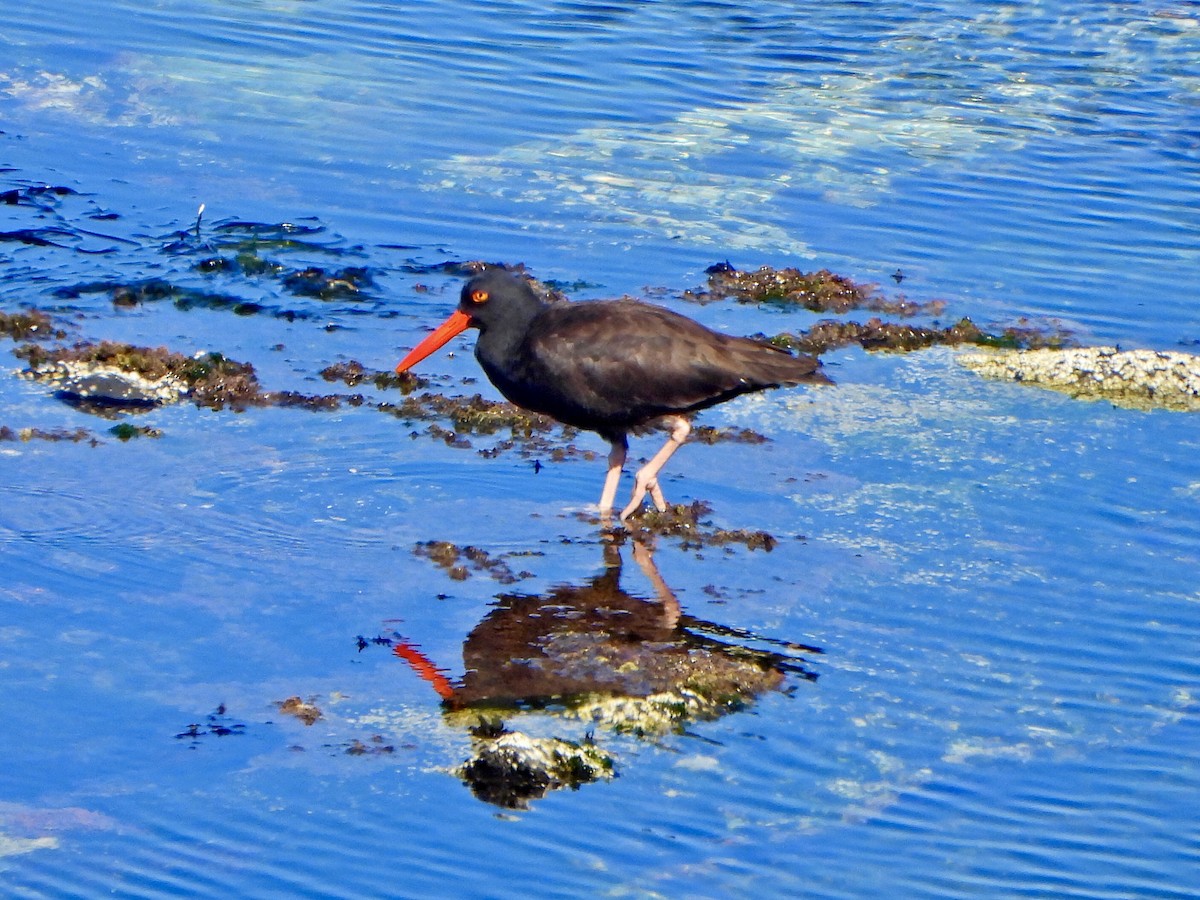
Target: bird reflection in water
x,y
597,655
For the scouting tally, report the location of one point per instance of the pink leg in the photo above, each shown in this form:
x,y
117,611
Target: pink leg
x,y
616,462
647,476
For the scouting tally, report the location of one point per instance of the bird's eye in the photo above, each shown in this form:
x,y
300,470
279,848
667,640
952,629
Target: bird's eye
x,y
479,296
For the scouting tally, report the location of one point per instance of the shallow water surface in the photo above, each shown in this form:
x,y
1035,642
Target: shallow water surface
x,y
966,664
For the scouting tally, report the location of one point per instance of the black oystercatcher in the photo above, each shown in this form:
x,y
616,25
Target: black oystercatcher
x,y
609,366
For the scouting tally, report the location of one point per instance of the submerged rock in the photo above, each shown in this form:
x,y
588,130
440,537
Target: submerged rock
x,y
97,383
1139,379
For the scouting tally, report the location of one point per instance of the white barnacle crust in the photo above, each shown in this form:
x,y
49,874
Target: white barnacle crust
x,y
107,383
1140,379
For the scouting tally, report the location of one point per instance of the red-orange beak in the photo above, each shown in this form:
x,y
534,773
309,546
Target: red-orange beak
x,y
458,322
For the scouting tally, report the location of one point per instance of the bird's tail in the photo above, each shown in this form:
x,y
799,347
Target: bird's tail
x,y
782,368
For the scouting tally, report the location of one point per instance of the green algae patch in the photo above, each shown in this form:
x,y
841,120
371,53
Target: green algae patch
x,y
126,431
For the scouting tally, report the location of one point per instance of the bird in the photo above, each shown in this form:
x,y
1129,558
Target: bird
x,y
609,366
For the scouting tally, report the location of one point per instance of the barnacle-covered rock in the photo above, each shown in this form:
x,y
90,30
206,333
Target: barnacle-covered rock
x,y
102,384
1140,379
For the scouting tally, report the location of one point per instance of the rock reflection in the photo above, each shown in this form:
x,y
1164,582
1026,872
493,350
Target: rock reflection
x,y
600,656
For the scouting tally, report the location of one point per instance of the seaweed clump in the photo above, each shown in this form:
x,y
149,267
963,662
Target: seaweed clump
x,y
34,325
875,334
820,291
353,373
471,415
25,435
528,432
458,562
690,523
126,295
216,724
316,282
377,747
827,292
710,434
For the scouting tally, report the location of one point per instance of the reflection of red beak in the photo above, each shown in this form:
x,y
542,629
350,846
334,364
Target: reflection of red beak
x,y
458,322
423,666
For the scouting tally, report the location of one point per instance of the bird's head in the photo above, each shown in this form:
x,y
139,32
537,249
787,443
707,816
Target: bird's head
x,y
493,297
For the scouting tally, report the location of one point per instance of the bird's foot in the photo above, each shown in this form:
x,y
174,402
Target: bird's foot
x,y
642,486
647,476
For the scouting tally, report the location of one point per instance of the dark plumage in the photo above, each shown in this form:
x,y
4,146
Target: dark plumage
x,y
609,366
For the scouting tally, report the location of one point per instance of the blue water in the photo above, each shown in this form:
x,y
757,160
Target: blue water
x,y
1002,580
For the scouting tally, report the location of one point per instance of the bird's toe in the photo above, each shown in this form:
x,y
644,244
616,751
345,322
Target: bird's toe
x,y
656,494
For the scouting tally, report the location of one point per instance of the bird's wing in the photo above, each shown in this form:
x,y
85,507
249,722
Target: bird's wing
x,y
631,360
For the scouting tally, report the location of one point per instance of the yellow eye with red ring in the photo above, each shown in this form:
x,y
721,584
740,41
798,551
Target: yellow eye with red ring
x,y
480,296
